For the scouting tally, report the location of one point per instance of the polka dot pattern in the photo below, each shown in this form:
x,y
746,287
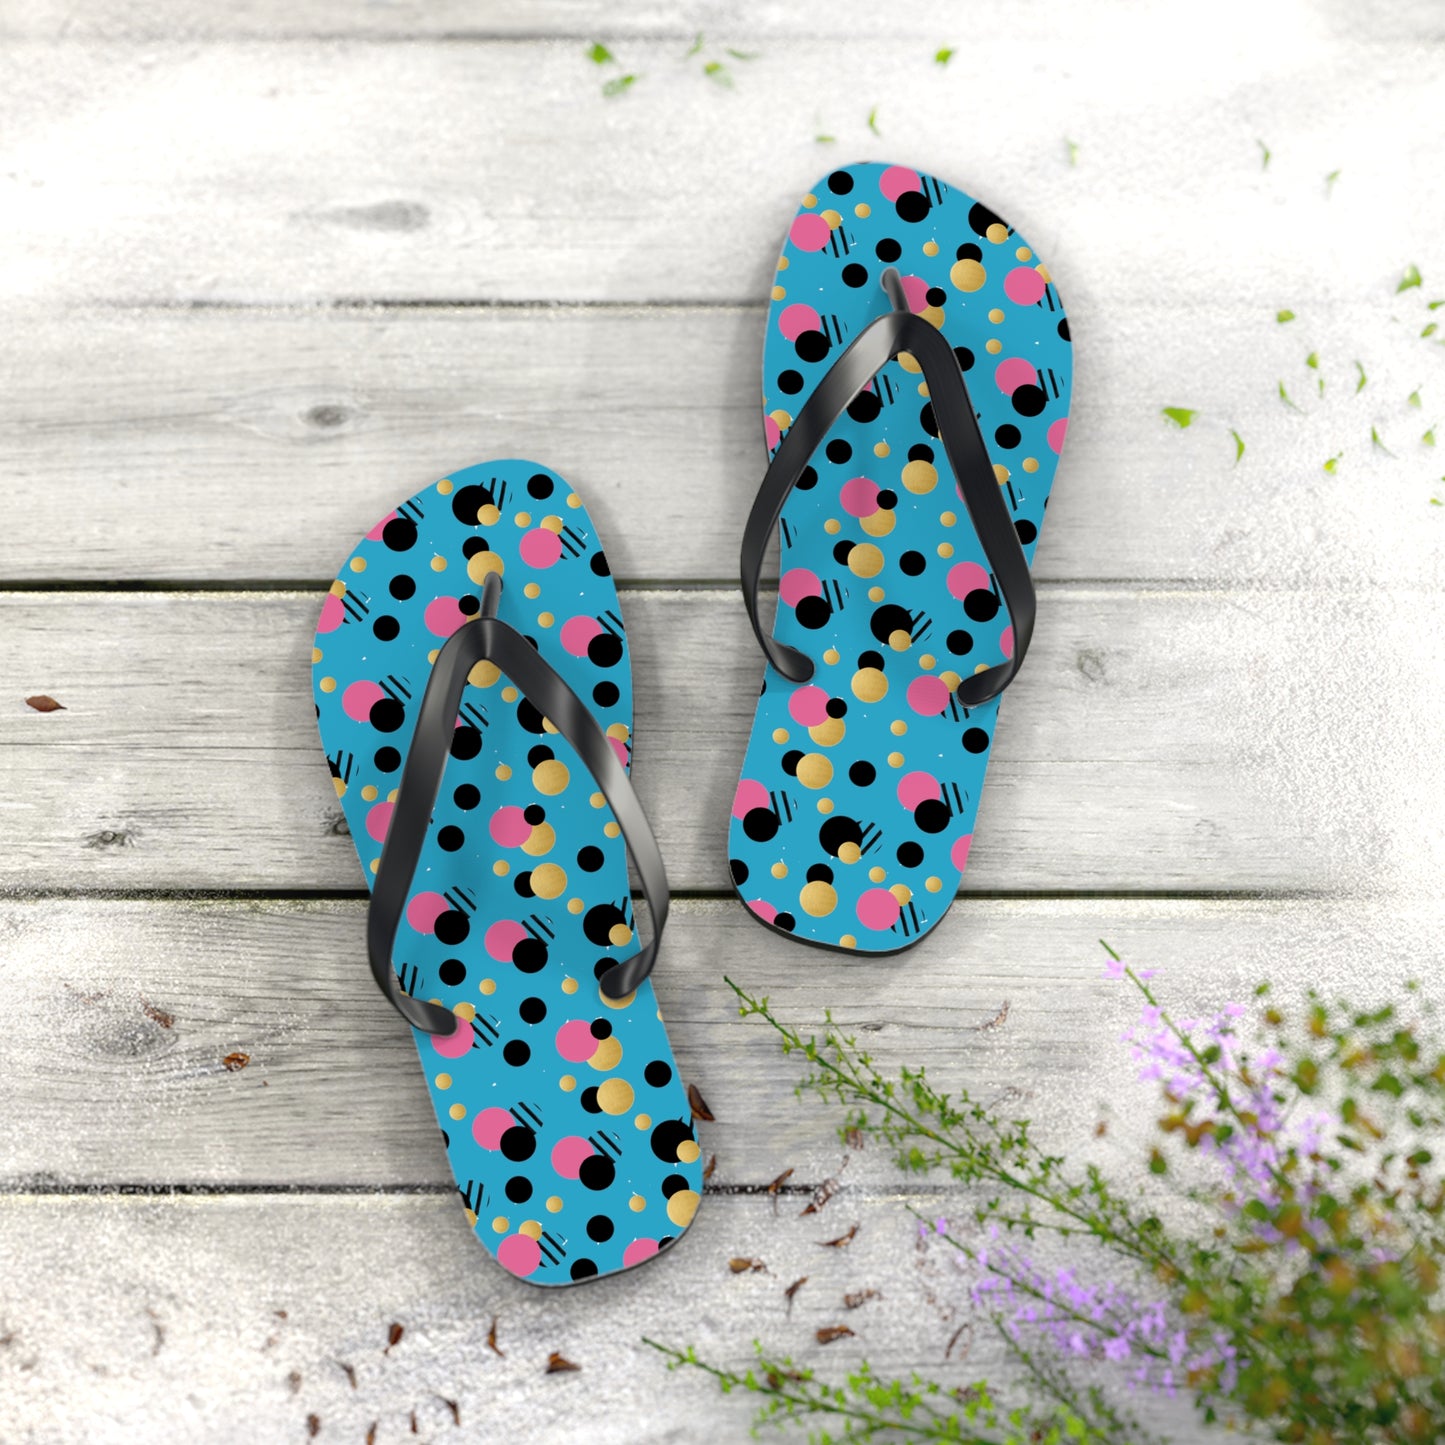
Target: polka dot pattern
x,y
852,823
565,1122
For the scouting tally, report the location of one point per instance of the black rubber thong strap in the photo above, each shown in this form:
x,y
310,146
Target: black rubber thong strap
x,y
873,348
487,638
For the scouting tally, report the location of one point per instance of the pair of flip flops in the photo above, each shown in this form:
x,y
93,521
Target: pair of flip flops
x,y
474,696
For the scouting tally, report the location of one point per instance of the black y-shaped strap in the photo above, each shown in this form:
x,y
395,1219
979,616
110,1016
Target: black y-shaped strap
x,y
487,638
873,348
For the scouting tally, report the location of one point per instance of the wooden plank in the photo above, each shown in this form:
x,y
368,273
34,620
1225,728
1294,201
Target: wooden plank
x,y
222,1319
241,446
324,170
1157,740
121,1013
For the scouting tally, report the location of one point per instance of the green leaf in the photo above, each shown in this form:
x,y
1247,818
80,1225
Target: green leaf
x,y
744,54
1181,416
825,140
943,56
1436,502
618,85
1264,155
1330,183
1158,1164
1073,147
1429,438
1377,440
1409,279
1332,466
1431,329
694,47
1238,446
1414,397
873,121
1283,316
715,70
1360,384
1313,361
1284,396
600,54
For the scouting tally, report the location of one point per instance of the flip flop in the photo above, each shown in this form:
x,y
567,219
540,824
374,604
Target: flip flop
x,y
909,502
493,814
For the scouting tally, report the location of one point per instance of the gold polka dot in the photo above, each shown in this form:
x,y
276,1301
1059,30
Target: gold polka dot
x,y
466,1011
339,787
782,418
488,515
993,346
549,881
620,731
876,594
923,389
503,772
523,519
898,727
947,518
996,315
471,1215
809,201
501,867
825,805
444,487
619,1003
1044,272
551,777
982,667
899,640
619,935
865,560
369,792
895,760
391,796
481,565
782,263
779,870
598,800
849,853
817,899
1024,254
902,892
1031,464
315,655
828,734
920,477
869,684
545,619
483,674
443,1081
642,1121
375,865
509,694
532,590
951,680
458,1111
338,589
569,985
358,564
933,315
933,884
554,1204
778,293
531,1228
832,526
862,210
876,875
814,771
574,905
615,1096
688,1151
847,941
682,1206
832,656
780,735
612,830
328,684
607,1055
573,500
880,524
487,986
997,233
439,564
1000,473
637,1204
833,219
927,661
967,275
945,549
435,653
568,1083
909,362
541,842
500,1224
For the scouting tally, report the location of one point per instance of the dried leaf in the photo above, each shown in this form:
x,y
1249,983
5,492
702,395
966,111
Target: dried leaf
x,y
414,1430
859,1297
454,1408
792,1289
492,1344
824,1192
294,1380
41,703
698,1105
996,1022
711,1166
739,1265
559,1364
393,1338
853,1137
313,1425
371,1433
965,1328
842,1241
157,1015
1100,1129
160,1331
829,1333
778,1183
234,1063
349,1371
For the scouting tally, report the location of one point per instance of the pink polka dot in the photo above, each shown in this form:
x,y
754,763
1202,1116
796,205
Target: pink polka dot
x,y
772,432
809,232
443,616
359,699
489,1126
333,614
540,548
860,497
797,583
915,288
1013,372
575,1041
928,696
637,1251
965,577
916,788
378,820
375,534
1006,641
1023,286
577,632
794,320
959,855
750,794
568,1154
519,1254
619,749
897,181
1056,435
509,827
878,909
808,706
763,909
502,938
458,1043
424,910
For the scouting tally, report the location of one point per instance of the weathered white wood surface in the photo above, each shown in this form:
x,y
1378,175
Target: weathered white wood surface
x,y
268,266
122,1012
1181,740
253,446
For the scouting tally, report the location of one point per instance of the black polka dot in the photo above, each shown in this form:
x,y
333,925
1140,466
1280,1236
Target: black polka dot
x,y
539,486
399,534
790,382
518,1143
534,813
912,206
1029,400
1007,437
807,480
583,1269
673,1184
600,1029
666,1137
836,707
402,587
813,612
387,760
838,451
605,694
739,871
597,1172
452,972
386,715
658,1073
969,252
862,774
926,419
467,797
981,605
981,218
1026,530
605,650
965,358
838,830
910,854
469,606
522,885
960,643
760,824
811,345
516,1053
599,565
865,406
450,838
1064,329
385,627
820,873
920,452
912,563
532,1010
519,1189
467,502
530,955
472,546
888,249
855,275
975,740
452,927
600,1228
589,1100
791,759
599,921
935,295
840,183
931,815
888,619
466,742
589,859
887,499
785,921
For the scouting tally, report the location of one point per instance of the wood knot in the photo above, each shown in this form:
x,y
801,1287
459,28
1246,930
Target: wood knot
x,y
111,838
327,415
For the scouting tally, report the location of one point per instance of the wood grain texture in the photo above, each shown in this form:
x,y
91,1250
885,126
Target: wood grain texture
x,y
1157,740
252,446
121,1013
234,171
